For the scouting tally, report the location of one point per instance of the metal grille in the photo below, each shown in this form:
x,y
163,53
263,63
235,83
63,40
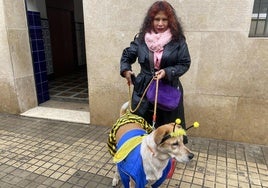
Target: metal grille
x,y
259,19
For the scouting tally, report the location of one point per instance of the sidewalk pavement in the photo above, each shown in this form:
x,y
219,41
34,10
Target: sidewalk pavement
x,y
39,153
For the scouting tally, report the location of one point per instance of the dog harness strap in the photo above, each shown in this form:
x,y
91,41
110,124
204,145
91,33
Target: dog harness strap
x,y
126,148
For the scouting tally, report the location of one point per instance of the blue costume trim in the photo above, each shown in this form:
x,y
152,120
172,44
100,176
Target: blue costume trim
x,y
132,164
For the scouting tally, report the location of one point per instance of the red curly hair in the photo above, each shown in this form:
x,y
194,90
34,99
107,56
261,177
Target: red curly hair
x,y
173,23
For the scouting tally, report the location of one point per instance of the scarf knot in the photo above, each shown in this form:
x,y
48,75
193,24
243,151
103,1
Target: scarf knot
x,y
156,42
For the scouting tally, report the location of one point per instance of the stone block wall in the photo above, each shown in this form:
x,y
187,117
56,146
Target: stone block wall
x,y
17,91
225,88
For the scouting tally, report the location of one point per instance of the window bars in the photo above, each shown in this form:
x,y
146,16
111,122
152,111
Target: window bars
x,y
259,19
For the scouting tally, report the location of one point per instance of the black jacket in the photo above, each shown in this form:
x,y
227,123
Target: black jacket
x,y
175,61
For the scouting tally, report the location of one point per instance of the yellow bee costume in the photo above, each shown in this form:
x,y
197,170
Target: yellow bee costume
x,y
124,119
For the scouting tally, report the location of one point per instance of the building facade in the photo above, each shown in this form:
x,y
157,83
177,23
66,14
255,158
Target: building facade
x,y
225,88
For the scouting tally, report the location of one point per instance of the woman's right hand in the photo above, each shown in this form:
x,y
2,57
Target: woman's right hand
x,y
127,75
160,74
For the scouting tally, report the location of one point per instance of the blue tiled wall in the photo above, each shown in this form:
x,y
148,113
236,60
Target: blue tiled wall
x,y
38,54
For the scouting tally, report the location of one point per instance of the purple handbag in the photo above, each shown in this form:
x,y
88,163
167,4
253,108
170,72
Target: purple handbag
x,y
168,97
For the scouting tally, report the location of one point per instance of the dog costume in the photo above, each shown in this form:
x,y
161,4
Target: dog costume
x,y
124,119
131,165
126,166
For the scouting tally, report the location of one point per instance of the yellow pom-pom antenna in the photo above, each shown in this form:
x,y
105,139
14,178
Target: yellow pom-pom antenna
x,y
178,132
178,121
196,124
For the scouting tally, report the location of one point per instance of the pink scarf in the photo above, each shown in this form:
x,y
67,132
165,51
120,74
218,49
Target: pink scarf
x,y
156,43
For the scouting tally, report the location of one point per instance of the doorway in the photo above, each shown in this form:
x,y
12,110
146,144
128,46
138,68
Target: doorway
x,y
61,83
69,78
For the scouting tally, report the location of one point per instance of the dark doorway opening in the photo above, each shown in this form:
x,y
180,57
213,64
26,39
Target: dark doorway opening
x,y
56,29
68,82
62,35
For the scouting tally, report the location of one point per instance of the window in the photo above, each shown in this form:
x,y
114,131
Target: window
x,y
259,19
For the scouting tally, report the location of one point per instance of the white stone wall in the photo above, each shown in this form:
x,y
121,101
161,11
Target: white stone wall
x,y
17,91
225,88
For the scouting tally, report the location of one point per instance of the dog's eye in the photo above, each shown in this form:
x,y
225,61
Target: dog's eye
x,y
175,143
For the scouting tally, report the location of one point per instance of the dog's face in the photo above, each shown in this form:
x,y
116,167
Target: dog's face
x,y
172,145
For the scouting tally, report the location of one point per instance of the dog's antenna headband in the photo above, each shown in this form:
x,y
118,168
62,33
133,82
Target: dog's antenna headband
x,y
195,125
180,131
174,133
178,122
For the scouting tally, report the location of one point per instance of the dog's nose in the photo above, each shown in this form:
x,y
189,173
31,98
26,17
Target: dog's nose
x,y
190,156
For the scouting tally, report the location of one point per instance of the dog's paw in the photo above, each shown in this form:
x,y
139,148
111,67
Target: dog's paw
x,y
115,181
116,177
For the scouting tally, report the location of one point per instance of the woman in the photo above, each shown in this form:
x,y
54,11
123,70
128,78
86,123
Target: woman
x,y
162,34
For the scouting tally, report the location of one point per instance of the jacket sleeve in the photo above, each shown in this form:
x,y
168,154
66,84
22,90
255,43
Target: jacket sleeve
x,y
129,57
182,64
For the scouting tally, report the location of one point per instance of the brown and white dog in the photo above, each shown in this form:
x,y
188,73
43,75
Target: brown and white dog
x,y
155,153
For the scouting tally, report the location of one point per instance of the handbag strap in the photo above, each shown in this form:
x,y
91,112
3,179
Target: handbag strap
x,y
151,61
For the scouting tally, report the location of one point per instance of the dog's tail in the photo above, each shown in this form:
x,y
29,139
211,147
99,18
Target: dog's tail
x,y
124,108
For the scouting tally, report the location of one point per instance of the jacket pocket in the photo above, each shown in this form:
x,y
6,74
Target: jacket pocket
x,y
140,84
142,58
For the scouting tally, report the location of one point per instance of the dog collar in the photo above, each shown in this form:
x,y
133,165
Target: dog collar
x,y
151,150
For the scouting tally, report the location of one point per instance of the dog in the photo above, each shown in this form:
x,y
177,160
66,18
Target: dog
x,y
145,159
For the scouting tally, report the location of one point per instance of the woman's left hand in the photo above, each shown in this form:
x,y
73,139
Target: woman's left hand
x,y
160,74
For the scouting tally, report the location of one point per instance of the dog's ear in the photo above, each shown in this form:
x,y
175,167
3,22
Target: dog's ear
x,y
160,133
